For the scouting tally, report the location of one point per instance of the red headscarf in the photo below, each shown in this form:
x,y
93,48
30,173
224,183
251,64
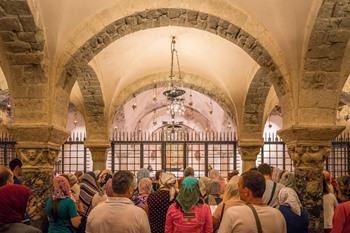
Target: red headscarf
x,y
13,203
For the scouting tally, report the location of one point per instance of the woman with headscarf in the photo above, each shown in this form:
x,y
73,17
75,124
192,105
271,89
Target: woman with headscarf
x,y
341,219
230,198
13,204
296,217
101,196
329,204
60,208
189,213
88,188
204,186
103,177
144,190
142,173
155,184
159,202
214,198
216,176
288,179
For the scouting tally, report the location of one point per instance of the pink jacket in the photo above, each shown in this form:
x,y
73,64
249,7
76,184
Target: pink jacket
x,y
198,220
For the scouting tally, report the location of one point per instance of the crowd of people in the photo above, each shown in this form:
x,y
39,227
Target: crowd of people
x,y
103,202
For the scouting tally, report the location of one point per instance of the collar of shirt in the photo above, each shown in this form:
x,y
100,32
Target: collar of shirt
x,y
122,200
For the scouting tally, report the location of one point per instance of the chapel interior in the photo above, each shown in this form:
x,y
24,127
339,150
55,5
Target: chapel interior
x,y
86,85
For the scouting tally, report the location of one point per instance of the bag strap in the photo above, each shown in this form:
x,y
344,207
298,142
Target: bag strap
x,y
222,214
257,220
272,193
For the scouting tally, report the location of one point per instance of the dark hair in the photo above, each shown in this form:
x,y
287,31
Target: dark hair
x,y
188,171
14,163
232,174
325,186
5,174
254,181
158,174
265,169
121,181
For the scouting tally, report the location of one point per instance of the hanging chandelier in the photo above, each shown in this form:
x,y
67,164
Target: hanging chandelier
x,y
175,92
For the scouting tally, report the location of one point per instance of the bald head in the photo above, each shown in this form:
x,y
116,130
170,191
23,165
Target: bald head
x,y
6,176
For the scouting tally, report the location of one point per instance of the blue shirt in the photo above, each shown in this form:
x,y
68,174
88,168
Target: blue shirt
x,y
295,223
66,211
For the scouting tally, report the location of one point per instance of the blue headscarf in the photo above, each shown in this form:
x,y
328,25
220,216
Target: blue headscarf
x,y
189,194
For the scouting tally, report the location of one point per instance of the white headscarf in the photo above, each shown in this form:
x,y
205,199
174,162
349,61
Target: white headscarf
x,y
289,197
168,180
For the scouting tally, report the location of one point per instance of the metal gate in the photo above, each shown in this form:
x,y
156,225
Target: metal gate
x,y
173,153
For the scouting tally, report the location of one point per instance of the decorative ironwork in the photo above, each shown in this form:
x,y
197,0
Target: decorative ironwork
x,y
202,151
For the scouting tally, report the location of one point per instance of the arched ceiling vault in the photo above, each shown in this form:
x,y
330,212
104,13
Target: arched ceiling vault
x,y
190,81
180,17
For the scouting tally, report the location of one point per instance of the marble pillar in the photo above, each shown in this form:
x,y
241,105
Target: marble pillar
x,y
38,146
38,170
309,147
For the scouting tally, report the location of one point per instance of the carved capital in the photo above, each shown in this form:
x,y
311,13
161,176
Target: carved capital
x,y
249,153
39,136
311,155
37,158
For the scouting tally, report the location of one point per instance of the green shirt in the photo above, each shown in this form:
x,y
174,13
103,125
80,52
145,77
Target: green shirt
x,y
66,211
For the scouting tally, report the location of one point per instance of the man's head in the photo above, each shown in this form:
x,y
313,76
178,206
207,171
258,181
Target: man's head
x,y
123,184
16,167
265,169
188,172
251,185
6,176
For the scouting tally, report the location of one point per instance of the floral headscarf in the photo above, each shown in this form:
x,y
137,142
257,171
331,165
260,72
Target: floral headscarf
x,y
61,188
168,180
289,197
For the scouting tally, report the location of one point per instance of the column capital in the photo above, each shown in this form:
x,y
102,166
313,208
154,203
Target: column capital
x,y
98,149
97,144
309,135
249,149
38,136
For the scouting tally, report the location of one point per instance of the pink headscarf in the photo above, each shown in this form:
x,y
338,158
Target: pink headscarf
x,y
108,188
61,188
13,203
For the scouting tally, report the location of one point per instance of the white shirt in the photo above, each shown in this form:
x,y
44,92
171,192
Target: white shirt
x,y
117,215
329,204
240,219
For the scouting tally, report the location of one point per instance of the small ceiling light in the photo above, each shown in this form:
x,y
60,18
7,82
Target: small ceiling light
x,y
210,108
134,105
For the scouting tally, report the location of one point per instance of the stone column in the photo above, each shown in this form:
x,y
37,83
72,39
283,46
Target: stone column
x,y
98,154
38,147
308,147
38,170
249,151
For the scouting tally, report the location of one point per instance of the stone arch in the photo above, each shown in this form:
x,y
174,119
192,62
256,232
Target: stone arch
x,y
253,114
94,107
194,82
323,61
176,17
23,53
171,17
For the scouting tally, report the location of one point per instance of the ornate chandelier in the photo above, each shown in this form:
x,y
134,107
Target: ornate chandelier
x,y
175,92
